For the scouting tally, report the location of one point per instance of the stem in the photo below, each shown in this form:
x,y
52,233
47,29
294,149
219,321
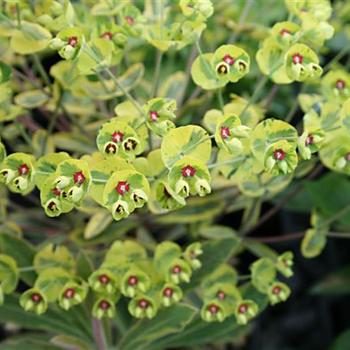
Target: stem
x,y
337,57
337,216
41,70
226,162
99,334
345,235
157,74
220,99
18,13
242,18
24,134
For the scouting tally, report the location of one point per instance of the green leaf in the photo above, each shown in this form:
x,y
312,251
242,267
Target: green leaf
x,y
30,39
336,283
217,232
53,320
31,99
69,343
144,334
22,251
313,243
263,273
97,223
342,342
212,259
28,344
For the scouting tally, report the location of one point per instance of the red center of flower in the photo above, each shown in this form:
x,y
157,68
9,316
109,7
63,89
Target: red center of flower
x,y
188,171
129,20
36,297
243,309
104,305
143,303
177,269
276,290
297,58
225,132
56,191
78,177
107,35
340,84
229,59
23,169
309,140
104,279
73,41
132,281
279,154
347,157
69,293
285,32
221,295
168,292
153,115
213,309
117,136
122,187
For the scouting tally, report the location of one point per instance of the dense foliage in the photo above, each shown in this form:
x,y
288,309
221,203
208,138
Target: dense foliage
x,y
123,144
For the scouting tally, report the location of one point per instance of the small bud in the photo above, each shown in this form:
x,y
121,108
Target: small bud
x,y
191,254
182,188
202,187
120,210
139,197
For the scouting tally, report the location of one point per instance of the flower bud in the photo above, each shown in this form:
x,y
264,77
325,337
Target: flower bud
x,y
202,187
284,264
34,300
143,307
56,44
170,294
191,254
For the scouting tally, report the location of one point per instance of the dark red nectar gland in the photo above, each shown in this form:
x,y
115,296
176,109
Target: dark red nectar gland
x,y
168,292
23,169
285,32
279,154
297,58
104,305
309,140
117,136
229,59
143,303
36,297
107,36
78,177
347,157
243,309
153,116
276,290
111,148
122,187
340,84
225,132
104,279
176,269
69,293
220,295
56,191
188,171
52,206
132,281
213,309
222,69
129,20
73,41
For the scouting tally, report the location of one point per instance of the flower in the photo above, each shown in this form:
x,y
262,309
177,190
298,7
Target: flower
x,y
170,294
213,311
34,300
191,254
245,310
104,307
103,281
73,293
285,263
278,292
134,281
143,307
179,271
309,143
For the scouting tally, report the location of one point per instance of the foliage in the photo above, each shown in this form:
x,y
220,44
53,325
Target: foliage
x,y
132,189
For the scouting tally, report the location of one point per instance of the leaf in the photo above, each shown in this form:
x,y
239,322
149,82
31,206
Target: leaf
x,y
30,39
215,253
69,343
97,223
263,273
73,142
313,243
336,283
146,332
342,341
54,321
31,99
22,251
217,232
27,343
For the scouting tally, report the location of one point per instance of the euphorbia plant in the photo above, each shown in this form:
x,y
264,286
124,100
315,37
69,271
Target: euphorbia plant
x,y
130,167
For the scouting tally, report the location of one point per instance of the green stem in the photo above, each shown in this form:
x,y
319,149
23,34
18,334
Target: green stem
x,y
41,70
225,162
220,99
99,335
24,134
337,57
18,13
157,74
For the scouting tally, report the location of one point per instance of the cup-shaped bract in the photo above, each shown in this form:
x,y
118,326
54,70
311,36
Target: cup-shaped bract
x,y
34,300
69,42
189,176
278,292
125,191
302,63
143,306
17,172
73,293
118,138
